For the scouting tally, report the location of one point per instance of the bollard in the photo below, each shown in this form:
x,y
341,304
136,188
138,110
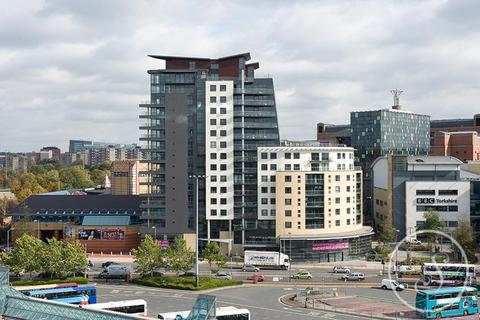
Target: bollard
x,y
101,253
121,252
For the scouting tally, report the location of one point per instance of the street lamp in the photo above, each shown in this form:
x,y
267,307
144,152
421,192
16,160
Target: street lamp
x,y
38,228
290,256
196,177
8,237
396,253
155,233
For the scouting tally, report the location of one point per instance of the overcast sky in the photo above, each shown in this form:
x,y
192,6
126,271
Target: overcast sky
x,y
77,69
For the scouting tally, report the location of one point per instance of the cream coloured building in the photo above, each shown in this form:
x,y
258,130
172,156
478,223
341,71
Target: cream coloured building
x,y
313,192
128,178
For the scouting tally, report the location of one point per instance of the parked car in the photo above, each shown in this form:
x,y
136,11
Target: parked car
x,y
341,269
389,284
256,278
403,269
302,274
414,241
114,271
223,276
108,263
188,274
353,277
250,268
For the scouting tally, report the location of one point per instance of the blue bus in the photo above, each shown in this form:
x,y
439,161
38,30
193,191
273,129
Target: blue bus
x,y
446,302
71,295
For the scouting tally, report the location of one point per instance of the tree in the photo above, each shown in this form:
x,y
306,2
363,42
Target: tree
x,y
75,178
179,257
52,258
214,257
98,176
432,223
465,237
388,235
7,204
25,257
148,256
74,257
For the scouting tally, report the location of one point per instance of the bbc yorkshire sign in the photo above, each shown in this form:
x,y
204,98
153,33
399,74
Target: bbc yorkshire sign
x,y
435,201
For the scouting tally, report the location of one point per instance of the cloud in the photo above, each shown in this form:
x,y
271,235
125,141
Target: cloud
x,y
78,69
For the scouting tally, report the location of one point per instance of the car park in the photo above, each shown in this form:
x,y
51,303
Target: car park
x,y
341,269
390,284
250,268
353,277
302,274
223,276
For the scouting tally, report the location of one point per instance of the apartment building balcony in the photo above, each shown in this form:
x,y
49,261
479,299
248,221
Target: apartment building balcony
x,y
256,125
249,102
152,137
310,204
152,204
260,91
148,126
255,114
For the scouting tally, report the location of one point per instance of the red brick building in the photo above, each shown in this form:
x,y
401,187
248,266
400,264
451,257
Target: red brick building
x,y
464,145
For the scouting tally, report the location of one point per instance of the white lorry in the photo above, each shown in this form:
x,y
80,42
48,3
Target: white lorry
x,y
267,259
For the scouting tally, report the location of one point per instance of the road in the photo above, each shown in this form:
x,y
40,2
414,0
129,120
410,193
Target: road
x,y
261,300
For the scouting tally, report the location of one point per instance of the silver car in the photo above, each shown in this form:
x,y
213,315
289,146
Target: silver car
x,y
223,276
250,268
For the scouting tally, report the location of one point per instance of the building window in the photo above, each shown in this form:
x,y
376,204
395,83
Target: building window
x,y
264,178
213,156
348,188
264,212
213,122
272,190
223,200
288,178
213,189
213,144
223,99
288,202
223,212
337,189
213,133
288,190
223,133
288,167
213,167
223,156
337,177
213,212
315,167
288,225
213,99
264,189
264,167
264,200
223,122
213,178
264,155
214,66
348,222
223,178
223,189
223,144
348,199
273,167
337,211
425,192
288,155
273,155
348,177
191,65
223,87
213,200
296,167
337,223
296,155
315,156
348,210
223,167
337,200
273,201
272,179
273,212
288,213
213,87
339,156
223,110
447,192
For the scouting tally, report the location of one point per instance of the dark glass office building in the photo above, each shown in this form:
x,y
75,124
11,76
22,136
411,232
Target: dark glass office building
x,y
207,117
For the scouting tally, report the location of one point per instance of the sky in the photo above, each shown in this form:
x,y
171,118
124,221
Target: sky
x,y
78,69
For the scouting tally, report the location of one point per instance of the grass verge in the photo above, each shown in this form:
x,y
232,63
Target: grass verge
x,y
185,283
35,282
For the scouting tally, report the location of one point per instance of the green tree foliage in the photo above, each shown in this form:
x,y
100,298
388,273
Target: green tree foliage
x,y
98,176
432,222
214,257
25,257
466,238
56,257
75,178
388,235
178,257
148,256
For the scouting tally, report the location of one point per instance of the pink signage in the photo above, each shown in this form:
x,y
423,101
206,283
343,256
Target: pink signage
x,y
329,246
163,243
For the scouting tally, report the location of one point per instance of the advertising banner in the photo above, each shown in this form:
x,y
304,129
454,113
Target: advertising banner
x,y
163,243
329,246
88,234
116,234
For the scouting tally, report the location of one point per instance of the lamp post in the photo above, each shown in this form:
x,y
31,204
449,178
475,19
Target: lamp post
x,y
155,233
196,177
38,228
396,253
290,256
8,237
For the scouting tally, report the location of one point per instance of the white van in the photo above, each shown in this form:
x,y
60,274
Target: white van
x,y
389,284
114,271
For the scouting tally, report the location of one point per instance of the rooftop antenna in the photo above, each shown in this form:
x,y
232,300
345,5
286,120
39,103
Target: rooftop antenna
x,y
396,98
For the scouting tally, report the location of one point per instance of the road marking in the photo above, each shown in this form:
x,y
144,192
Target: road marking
x,y
178,295
139,292
115,291
287,289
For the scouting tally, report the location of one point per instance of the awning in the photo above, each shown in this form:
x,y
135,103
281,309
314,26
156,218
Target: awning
x,y
106,221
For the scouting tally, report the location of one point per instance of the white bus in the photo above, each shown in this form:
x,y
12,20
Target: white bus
x,y
450,274
133,307
223,313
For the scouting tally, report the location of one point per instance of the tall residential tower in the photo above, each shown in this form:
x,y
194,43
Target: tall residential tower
x,y
206,117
